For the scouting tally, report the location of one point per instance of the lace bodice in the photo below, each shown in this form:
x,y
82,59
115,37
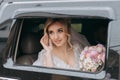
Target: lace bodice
x,y
58,63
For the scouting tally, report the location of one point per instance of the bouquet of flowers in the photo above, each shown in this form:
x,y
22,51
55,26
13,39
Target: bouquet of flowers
x,y
92,58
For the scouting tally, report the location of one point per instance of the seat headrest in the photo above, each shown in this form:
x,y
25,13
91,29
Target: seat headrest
x,y
30,43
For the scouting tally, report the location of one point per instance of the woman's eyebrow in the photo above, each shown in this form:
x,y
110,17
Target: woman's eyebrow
x,y
57,29
50,31
60,28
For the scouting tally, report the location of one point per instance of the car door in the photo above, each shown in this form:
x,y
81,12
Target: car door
x,y
87,12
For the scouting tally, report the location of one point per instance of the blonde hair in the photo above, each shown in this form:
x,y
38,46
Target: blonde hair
x,y
64,21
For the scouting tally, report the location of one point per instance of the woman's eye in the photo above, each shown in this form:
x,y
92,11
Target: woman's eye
x,y
50,32
60,30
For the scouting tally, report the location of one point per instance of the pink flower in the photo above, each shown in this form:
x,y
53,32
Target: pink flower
x,y
93,53
92,57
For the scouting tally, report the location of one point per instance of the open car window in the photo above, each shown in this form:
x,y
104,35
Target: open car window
x,y
90,55
94,30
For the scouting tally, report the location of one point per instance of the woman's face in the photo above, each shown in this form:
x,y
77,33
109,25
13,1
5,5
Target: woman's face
x,y
57,34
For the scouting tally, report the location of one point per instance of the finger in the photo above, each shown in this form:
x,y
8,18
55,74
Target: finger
x,y
50,42
44,38
44,41
43,44
41,40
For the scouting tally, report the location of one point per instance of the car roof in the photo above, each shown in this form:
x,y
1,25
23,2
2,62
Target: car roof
x,y
12,6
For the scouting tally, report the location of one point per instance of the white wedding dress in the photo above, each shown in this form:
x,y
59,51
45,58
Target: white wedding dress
x,y
58,63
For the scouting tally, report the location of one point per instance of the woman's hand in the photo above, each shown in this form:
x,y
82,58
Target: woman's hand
x,y
46,43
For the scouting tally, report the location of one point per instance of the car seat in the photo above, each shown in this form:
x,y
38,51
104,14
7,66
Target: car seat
x,y
29,48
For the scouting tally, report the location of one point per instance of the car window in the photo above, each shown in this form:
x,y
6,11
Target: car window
x,y
77,27
84,36
94,30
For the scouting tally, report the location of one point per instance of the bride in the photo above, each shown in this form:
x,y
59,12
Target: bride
x,y
62,45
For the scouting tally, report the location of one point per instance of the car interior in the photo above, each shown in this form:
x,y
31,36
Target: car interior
x,y
94,29
29,44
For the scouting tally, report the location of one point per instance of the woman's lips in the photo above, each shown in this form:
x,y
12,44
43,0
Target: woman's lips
x,y
57,41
